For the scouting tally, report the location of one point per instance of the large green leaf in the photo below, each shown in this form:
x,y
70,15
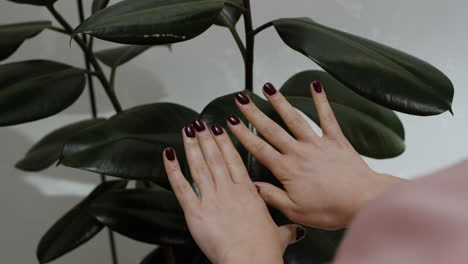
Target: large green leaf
x,y
117,56
75,228
150,22
98,5
33,2
32,90
230,15
13,35
147,215
373,130
47,151
382,74
130,144
318,247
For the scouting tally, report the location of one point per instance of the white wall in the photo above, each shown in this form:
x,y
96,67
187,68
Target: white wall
x,y
207,67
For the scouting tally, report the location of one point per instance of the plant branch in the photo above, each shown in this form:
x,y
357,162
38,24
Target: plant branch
x,y
236,36
262,27
250,43
112,78
92,99
92,59
57,29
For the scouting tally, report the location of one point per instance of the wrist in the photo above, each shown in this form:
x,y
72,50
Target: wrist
x,y
253,255
379,183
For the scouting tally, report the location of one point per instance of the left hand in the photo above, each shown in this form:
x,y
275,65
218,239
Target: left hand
x,y
230,222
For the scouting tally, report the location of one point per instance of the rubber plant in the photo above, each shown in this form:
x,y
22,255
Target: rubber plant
x,y
365,81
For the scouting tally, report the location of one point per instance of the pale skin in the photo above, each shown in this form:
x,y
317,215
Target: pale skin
x,y
326,181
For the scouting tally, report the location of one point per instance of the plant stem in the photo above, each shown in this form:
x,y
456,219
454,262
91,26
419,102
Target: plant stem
x,y
92,97
250,44
89,54
262,27
94,110
236,36
112,77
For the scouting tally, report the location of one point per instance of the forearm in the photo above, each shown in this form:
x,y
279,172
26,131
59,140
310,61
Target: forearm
x,y
263,256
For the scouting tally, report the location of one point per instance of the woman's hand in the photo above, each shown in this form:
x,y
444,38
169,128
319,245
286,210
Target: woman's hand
x,y
326,180
229,221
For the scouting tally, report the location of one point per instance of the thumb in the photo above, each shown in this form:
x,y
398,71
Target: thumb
x,y
275,197
290,234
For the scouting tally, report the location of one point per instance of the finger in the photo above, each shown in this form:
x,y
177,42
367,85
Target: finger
x,y
182,189
274,133
260,149
295,122
233,160
275,197
290,234
213,156
197,164
328,122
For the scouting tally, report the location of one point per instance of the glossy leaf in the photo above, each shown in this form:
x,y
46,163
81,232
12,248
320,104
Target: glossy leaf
x,y
75,228
230,15
130,144
187,254
13,35
382,74
149,22
318,247
373,130
33,2
117,56
98,5
47,151
147,215
32,90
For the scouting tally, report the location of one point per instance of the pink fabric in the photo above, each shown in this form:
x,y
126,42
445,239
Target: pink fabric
x,y
421,221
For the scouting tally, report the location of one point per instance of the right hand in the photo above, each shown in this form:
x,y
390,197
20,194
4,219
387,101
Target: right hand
x,y
326,181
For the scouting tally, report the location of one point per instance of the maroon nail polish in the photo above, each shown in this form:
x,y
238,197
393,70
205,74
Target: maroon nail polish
x,y
242,98
269,89
170,154
300,233
217,129
233,119
189,131
199,125
317,86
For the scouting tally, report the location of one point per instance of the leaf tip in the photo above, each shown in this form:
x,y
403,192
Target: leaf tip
x,y
451,111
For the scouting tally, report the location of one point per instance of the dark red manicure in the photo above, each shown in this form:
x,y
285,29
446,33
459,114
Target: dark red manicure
x,y
269,89
170,154
199,125
242,98
217,129
189,131
317,86
233,119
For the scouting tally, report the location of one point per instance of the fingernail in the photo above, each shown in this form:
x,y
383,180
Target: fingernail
x,y
258,188
170,154
317,86
300,233
217,129
189,131
233,119
199,125
269,89
242,98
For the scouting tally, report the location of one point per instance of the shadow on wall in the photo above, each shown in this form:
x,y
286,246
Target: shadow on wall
x,y
27,212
